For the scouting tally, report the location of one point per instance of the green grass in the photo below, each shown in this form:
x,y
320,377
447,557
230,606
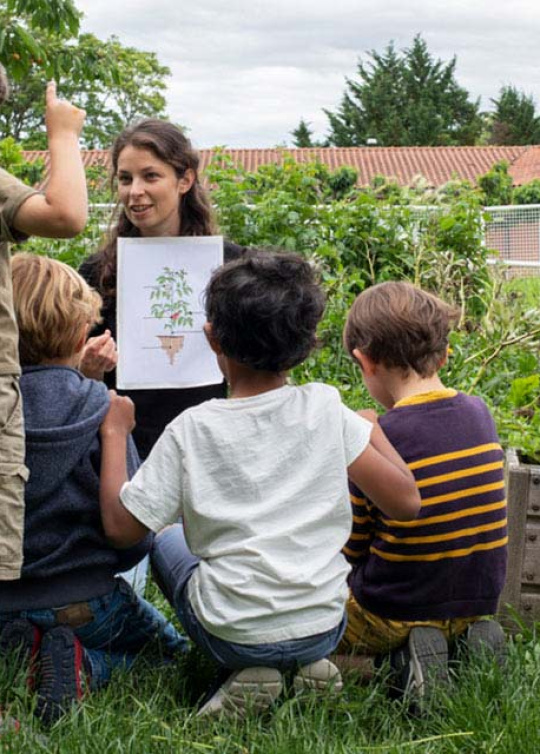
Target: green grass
x,y
152,710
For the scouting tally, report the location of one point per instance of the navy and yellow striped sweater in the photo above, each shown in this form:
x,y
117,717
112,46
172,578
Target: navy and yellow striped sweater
x,y
451,561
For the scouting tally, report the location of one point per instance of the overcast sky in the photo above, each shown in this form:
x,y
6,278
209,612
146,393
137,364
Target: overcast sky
x,y
245,71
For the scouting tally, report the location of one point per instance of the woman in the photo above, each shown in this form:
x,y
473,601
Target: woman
x,y
156,170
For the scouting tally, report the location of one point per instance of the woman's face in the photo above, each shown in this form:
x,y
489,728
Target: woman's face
x,y
150,191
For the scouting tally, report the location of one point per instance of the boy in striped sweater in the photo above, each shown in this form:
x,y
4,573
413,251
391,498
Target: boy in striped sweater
x,y
417,585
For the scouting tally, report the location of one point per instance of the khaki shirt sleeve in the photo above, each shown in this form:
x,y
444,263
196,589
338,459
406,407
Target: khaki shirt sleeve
x,y
12,195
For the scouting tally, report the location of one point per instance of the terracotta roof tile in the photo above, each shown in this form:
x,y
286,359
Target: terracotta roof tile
x,y
526,167
436,164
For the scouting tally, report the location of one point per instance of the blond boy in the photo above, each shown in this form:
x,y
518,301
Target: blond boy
x,y
69,605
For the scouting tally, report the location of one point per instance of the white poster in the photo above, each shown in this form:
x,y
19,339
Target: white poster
x,y
160,287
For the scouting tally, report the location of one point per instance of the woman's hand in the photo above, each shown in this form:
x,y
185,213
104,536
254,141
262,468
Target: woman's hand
x,y
99,355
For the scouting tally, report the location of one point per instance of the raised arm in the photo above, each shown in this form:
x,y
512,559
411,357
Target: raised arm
x,y
121,528
62,210
385,478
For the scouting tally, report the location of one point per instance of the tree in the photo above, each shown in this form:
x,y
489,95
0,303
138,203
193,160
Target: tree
x,y
405,98
20,24
514,120
114,84
302,135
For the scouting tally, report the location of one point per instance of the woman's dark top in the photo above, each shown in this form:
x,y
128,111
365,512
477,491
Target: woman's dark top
x,y
154,409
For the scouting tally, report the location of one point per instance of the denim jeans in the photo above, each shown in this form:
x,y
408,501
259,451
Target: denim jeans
x,y
120,625
173,565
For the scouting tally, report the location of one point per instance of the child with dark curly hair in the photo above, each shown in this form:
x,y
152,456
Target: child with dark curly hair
x,y
256,573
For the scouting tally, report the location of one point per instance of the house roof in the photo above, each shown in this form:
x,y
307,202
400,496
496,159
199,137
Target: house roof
x,y
436,164
526,167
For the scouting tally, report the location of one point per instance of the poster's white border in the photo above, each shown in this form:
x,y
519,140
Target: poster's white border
x,y
120,260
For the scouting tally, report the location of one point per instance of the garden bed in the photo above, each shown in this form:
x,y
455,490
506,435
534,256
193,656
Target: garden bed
x,y
521,594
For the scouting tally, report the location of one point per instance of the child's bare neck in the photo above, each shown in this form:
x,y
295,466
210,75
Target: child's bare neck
x,y
246,383
414,384
67,361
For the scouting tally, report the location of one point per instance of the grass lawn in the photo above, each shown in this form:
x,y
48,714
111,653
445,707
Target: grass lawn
x,y
152,710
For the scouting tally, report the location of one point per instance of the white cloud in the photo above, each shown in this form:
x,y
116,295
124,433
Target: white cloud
x,y
244,73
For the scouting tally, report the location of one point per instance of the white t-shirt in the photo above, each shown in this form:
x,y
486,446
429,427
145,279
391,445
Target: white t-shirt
x,y
261,484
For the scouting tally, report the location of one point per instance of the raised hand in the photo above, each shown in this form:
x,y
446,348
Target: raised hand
x,y
61,117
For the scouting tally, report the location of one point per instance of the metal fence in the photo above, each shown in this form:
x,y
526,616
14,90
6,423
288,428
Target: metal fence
x,y
514,232
104,214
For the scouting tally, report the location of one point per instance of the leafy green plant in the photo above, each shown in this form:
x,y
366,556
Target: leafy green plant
x,y
529,193
524,391
496,185
295,207
170,300
12,160
342,181
97,180
76,250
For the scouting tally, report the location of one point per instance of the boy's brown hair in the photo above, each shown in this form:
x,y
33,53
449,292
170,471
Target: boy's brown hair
x,y
52,304
400,326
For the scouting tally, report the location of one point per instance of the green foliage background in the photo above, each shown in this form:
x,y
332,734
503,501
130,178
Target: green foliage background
x,y
356,238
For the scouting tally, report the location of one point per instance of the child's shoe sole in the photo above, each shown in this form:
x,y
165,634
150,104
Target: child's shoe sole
x,y
61,673
427,654
486,638
322,675
248,690
22,639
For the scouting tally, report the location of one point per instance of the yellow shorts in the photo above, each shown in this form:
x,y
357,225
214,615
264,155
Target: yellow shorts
x,y
13,474
370,634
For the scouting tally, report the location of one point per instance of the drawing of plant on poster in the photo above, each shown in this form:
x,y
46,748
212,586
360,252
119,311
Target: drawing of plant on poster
x,y
170,303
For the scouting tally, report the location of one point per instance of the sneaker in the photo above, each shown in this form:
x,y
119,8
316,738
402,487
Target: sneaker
x,y
421,665
62,673
322,675
486,638
251,689
21,638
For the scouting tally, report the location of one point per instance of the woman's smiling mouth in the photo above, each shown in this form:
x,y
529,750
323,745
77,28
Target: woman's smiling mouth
x,y
137,209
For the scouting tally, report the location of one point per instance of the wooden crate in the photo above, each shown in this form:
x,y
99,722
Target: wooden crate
x,y
522,588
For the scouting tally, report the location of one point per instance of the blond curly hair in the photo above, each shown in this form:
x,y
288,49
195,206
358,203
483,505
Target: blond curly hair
x,y
53,306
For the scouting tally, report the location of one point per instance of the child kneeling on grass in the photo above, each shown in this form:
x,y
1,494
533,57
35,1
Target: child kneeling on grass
x,y
415,585
256,573
68,612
